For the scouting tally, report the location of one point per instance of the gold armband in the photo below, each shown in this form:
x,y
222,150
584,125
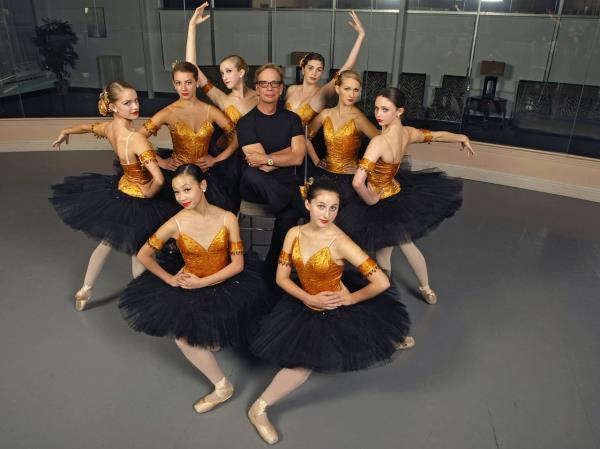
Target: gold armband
x,y
155,243
95,127
151,127
366,165
208,86
427,136
147,156
236,248
368,267
285,259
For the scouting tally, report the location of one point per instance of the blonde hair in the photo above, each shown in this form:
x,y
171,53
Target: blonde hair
x,y
110,94
239,62
347,74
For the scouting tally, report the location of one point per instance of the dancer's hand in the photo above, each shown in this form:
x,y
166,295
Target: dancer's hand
x,y
199,16
346,296
172,281
62,137
356,24
325,300
373,195
190,281
466,144
167,164
206,162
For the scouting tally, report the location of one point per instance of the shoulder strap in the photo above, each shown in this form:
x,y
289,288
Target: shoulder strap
x,y
330,243
177,223
127,147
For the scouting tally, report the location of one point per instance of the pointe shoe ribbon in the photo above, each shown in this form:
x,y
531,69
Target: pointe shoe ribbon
x,y
266,431
223,391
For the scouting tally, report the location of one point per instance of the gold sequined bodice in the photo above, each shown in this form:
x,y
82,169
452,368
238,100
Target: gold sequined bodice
x,y
381,175
342,147
189,146
305,112
204,261
320,273
233,113
136,174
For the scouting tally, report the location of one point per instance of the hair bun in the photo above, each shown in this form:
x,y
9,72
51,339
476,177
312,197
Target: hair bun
x,y
103,103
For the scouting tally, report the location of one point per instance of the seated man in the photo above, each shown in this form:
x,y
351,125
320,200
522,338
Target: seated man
x,y
273,143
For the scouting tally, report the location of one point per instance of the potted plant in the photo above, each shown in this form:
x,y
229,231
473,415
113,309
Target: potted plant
x,y
55,40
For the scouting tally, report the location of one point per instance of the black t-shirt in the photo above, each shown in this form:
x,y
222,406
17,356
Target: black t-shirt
x,y
274,132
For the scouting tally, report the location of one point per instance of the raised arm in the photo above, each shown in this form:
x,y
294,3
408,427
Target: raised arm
x,y
235,266
151,127
97,128
346,249
155,243
426,136
323,300
328,89
215,94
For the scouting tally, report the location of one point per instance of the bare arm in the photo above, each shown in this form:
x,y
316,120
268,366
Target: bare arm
x,y
365,126
425,136
378,281
141,145
365,191
315,125
287,157
355,23
145,255
97,128
215,94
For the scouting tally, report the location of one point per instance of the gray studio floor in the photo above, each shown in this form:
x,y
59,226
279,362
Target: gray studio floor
x,y
509,358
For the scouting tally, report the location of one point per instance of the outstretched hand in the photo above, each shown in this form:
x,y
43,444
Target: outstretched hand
x,y
356,24
467,145
199,16
62,137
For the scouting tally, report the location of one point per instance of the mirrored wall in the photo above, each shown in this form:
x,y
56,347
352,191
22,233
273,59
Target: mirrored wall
x,y
523,73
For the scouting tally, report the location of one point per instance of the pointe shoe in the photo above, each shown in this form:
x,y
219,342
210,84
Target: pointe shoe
x,y
223,391
82,297
428,295
407,343
266,431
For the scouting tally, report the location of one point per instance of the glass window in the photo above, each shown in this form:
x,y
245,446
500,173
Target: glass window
x,y
443,5
581,7
520,6
184,4
368,4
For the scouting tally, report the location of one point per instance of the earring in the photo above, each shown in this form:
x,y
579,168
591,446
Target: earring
x,y
203,190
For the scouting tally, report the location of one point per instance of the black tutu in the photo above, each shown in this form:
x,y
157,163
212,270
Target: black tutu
x,y
92,203
427,198
211,316
345,339
343,183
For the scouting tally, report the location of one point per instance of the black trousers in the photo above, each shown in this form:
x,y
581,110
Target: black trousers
x,y
283,196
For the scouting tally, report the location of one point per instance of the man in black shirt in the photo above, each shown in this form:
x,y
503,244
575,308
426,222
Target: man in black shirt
x,y
272,140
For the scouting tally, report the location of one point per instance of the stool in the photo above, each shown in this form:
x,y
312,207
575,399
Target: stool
x,y
252,210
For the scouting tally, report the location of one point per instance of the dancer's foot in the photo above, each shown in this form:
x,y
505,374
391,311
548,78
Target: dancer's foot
x,y
407,343
428,295
82,297
259,419
223,391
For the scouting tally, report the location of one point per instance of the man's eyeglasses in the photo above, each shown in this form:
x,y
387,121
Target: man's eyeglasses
x,y
272,84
